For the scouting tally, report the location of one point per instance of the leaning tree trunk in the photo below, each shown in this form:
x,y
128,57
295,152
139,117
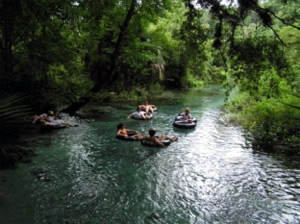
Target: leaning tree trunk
x,y
110,76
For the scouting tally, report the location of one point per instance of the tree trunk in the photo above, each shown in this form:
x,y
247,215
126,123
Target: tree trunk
x,y
106,78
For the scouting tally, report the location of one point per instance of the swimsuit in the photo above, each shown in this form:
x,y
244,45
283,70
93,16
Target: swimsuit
x,y
124,132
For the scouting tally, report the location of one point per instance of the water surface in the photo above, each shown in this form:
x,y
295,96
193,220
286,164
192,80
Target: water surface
x,y
208,176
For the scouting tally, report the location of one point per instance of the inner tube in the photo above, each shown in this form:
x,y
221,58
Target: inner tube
x,y
129,138
180,118
137,117
152,144
49,127
184,125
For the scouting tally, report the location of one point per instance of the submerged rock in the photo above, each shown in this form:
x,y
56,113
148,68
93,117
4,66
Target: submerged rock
x,y
42,175
153,216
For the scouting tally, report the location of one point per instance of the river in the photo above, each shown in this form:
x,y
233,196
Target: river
x,y
85,175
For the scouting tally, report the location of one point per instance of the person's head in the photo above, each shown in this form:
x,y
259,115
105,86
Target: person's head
x,y
187,110
50,113
121,126
152,132
146,103
138,109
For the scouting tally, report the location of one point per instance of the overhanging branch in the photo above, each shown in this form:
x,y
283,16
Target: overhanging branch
x,y
280,19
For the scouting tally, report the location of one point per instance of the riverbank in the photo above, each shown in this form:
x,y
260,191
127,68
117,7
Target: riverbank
x,y
270,124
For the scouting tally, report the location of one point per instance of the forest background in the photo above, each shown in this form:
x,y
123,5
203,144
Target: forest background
x,y
63,54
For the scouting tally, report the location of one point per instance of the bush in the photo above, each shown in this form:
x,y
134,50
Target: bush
x,y
271,121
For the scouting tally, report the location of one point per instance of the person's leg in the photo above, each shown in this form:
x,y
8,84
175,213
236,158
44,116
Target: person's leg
x,y
150,109
69,124
173,138
138,136
164,137
48,123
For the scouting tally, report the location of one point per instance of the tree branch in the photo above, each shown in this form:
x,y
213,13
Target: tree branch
x,y
276,34
292,94
290,105
277,17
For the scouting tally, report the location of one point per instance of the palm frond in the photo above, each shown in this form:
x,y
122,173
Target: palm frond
x,y
14,125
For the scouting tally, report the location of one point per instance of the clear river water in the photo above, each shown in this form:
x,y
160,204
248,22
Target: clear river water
x,y
85,175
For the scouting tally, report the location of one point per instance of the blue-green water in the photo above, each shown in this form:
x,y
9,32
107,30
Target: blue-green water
x,y
208,176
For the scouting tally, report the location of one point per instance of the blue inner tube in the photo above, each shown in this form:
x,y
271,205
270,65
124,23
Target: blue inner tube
x,y
129,138
184,125
136,117
152,144
180,118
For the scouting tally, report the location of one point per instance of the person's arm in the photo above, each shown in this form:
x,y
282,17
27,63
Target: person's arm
x,y
130,115
38,117
142,107
159,142
142,115
35,118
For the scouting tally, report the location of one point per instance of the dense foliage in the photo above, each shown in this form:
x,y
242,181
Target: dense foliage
x,y
60,52
264,68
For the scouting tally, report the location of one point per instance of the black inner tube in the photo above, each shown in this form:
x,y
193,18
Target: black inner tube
x,y
129,137
184,125
153,144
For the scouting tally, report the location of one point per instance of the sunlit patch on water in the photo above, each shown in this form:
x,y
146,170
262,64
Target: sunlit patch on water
x,y
208,176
